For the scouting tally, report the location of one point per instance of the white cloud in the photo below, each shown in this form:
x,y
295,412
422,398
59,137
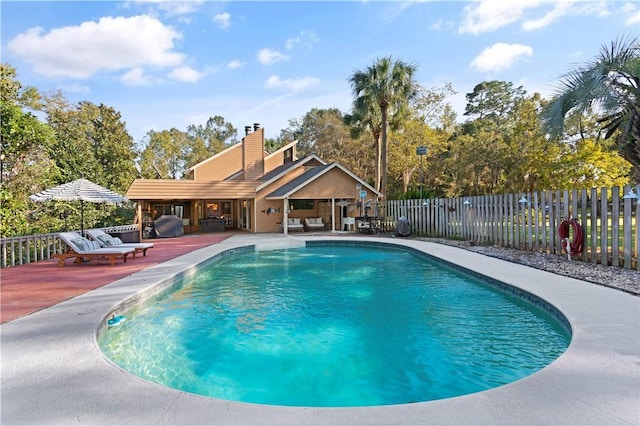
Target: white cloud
x,y
268,56
77,88
561,8
235,64
490,15
500,56
275,82
633,12
186,74
111,44
223,20
305,38
172,7
136,77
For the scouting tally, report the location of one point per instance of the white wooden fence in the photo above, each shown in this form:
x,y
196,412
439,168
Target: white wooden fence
x,y
530,221
523,221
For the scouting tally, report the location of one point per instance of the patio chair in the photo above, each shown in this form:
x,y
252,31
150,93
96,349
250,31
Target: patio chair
x,y
81,248
106,240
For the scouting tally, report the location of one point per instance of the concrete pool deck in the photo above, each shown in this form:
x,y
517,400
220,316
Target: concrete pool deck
x,y
54,373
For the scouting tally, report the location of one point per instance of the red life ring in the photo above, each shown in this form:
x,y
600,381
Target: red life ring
x,y
575,246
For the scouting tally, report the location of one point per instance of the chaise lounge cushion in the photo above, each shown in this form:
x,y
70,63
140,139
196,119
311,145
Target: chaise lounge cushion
x,y
105,240
81,248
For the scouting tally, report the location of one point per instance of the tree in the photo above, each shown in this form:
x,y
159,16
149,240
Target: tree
x,y
483,147
593,165
24,159
94,140
403,159
431,106
164,156
271,145
91,141
493,100
611,84
208,140
385,87
367,119
321,132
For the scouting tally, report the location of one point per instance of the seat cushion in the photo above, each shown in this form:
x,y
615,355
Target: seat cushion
x,y
106,240
81,244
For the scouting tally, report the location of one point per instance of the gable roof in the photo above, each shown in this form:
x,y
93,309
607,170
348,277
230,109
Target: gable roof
x,y
278,172
311,175
213,157
282,149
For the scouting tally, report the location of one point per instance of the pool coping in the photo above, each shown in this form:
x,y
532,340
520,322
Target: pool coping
x,y
53,372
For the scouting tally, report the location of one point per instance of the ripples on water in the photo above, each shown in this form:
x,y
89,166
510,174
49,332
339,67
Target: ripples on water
x,y
334,326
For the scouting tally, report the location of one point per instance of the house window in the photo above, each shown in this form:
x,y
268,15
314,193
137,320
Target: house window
x,y
212,208
161,209
288,156
301,204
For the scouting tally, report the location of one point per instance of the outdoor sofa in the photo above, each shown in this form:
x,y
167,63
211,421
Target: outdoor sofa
x,y
314,224
294,225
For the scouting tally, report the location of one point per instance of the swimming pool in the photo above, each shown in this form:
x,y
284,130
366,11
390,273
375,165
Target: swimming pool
x,y
335,326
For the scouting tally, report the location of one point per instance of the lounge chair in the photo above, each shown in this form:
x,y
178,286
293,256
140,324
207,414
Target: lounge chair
x,y
81,248
106,240
314,224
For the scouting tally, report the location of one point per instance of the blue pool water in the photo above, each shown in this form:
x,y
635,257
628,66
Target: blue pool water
x,y
330,326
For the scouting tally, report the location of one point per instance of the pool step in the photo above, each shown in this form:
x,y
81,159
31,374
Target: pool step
x,y
279,244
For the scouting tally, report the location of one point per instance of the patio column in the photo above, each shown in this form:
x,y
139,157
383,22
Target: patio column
x,y
139,220
285,217
333,215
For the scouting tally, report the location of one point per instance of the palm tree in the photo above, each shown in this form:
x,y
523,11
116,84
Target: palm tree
x,y
611,86
383,90
366,118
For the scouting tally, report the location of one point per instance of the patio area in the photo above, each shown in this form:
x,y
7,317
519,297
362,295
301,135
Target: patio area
x,y
29,288
54,373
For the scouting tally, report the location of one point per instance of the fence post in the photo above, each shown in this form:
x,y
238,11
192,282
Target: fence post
x,y
627,219
604,227
615,226
594,225
536,218
583,220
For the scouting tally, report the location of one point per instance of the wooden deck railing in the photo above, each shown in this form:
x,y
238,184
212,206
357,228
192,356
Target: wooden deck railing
x,y
33,248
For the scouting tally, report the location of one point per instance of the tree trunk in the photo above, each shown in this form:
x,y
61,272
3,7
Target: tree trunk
x,y
376,138
628,143
383,152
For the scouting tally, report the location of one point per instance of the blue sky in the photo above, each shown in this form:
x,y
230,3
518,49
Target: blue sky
x,y
171,64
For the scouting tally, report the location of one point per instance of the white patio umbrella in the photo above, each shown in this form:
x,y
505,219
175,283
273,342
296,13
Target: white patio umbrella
x,y
79,190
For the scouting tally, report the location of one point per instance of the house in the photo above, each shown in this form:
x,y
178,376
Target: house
x,y
244,187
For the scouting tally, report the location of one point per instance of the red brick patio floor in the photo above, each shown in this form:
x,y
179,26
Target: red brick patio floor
x,y
25,289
